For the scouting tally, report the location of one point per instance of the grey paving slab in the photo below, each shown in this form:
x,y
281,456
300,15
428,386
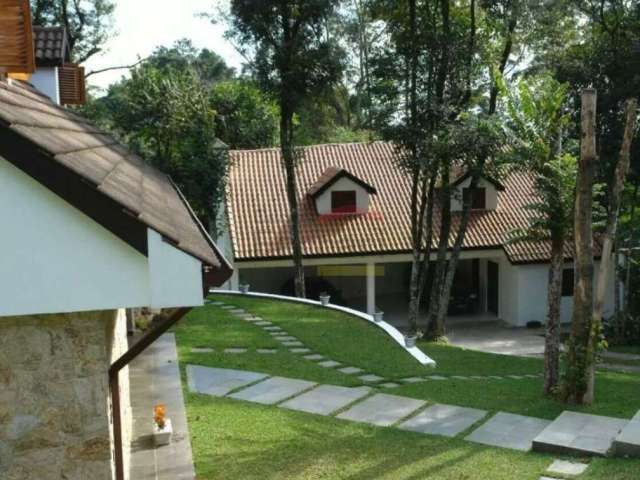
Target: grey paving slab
x,y
627,443
287,338
237,311
509,431
293,344
314,356
459,377
477,377
263,323
219,381
370,377
382,409
515,377
413,380
273,390
436,377
565,468
350,370
229,307
446,420
329,364
278,333
579,433
326,399
389,385
201,350
495,377
215,304
267,350
299,350
235,350
273,328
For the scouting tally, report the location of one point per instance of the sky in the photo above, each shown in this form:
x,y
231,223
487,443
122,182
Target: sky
x,y
142,25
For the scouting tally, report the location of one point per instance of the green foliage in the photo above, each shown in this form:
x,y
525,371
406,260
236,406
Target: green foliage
x,y
246,118
89,23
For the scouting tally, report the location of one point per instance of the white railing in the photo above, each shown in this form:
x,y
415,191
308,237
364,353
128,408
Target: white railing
x,y
392,331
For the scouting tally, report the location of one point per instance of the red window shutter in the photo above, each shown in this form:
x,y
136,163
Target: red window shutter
x,y
16,37
71,84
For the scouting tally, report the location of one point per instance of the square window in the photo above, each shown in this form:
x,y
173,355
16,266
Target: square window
x,y
343,201
568,280
478,198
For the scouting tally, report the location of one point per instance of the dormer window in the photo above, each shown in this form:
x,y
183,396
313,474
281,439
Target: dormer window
x,y
478,198
338,192
343,201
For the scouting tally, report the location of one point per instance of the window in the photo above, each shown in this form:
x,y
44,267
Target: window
x,y
568,279
343,201
478,198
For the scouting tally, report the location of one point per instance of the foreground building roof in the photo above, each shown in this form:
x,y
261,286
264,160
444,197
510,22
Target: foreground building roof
x,y
258,212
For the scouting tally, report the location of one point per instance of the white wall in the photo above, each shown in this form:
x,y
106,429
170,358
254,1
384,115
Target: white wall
x,y
323,202
491,201
45,79
55,259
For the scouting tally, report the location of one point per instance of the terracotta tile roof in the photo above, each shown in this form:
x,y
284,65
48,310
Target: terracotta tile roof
x,y
68,146
258,211
51,45
331,175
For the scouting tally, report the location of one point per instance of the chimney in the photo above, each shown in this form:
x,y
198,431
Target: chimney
x,y
16,39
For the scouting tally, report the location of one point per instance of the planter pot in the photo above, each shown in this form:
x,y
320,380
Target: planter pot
x,y
162,436
244,288
324,300
410,341
377,317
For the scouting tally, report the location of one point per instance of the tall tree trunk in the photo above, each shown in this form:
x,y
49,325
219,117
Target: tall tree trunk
x,y
580,357
552,334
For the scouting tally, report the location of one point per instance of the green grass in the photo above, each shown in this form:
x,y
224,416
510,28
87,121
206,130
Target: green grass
x,y
633,349
234,439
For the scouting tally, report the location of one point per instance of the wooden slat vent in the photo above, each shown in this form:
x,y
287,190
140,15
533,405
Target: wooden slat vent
x,y
71,84
16,37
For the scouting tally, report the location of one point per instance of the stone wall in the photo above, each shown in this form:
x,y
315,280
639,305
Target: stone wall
x,y
55,417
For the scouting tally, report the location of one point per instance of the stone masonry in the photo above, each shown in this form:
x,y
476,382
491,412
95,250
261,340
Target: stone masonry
x,y
55,419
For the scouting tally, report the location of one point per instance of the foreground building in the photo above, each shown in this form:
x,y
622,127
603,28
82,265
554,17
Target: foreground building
x,y
89,229
354,215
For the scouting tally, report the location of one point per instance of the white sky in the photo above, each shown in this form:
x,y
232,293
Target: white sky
x,y
142,25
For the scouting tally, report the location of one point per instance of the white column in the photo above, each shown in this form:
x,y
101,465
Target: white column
x,y
371,288
234,281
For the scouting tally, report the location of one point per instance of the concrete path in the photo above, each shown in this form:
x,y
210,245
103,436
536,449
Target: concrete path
x,y
155,378
509,431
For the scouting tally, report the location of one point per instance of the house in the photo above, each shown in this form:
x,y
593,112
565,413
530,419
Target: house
x,y
89,229
354,221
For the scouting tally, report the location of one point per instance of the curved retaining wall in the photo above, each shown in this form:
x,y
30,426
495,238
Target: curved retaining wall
x,y
392,331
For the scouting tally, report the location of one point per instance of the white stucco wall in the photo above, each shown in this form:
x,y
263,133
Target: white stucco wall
x,y
491,200
45,79
55,259
323,202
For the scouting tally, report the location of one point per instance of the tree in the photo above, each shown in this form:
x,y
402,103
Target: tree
x,y
538,123
246,118
89,23
296,60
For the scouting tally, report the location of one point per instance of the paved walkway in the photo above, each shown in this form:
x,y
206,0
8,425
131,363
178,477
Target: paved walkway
x,y
571,432
155,378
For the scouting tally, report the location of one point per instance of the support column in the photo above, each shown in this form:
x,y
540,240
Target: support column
x,y
234,281
371,288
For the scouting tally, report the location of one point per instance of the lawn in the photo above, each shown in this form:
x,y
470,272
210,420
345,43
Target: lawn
x,y
234,439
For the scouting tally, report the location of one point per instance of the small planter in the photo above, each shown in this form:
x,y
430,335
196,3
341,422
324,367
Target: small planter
x,y
410,341
378,316
324,300
162,436
244,288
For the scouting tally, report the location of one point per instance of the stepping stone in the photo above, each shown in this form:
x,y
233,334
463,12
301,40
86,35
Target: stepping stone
x,y
509,431
276,333
413,380
436,377
326,399
495,377
266,350
228,307
459,377
293,344
370,378
530,375
579,433
350,370
235,350
218,382
201,350
562,467
515,377
299,350
329,364
273,390
389,385
238,311
382,409
478,377
628,441
273,328
446,420
314,356
215,304
263,323
287,338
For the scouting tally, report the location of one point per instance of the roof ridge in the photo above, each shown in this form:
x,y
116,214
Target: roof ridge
x,y
315,145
